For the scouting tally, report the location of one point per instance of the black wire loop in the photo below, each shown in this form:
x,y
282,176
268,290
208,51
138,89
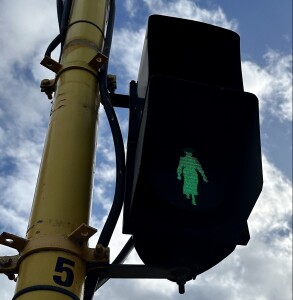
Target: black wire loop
x,y
59,39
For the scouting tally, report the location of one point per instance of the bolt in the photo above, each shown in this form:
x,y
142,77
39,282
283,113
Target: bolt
x,y
45,81
107,253
11,276
181,286
5,262
99,251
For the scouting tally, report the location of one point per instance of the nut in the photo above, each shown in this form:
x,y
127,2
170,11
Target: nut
x,y
5,262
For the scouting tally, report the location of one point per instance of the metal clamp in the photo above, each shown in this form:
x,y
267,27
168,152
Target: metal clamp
x,y
98,61
72,243
48,86
13,241
111,83
92,66
9,264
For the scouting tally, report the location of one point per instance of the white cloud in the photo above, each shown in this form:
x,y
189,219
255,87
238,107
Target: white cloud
x,y
188,9
259,271
106,173
130,6
128,44
24,110
272,84
270,221
28,36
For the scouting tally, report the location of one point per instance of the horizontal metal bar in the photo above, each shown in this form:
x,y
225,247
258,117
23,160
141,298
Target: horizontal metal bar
x,y
119,100
145,271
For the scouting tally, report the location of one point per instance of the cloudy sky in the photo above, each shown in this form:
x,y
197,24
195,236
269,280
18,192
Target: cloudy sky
x,y
259,271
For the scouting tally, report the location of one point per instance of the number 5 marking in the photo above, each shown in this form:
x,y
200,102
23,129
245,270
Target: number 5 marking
x,y
60,268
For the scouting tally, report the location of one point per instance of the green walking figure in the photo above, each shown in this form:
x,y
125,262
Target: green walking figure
x,y
189,166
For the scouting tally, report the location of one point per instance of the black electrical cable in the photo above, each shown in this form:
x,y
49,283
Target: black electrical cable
x,y
65,14
60,8
114,213
53,45
58,39
64,24
115,210
108,229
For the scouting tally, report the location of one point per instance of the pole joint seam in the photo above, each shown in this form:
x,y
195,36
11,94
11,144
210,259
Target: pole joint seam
x,y
45,288
88,22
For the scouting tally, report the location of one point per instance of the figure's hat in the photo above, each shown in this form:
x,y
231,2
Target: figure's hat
x,y
188,149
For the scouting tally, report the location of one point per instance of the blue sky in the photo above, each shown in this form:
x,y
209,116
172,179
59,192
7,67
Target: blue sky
x,y
261,270
269,21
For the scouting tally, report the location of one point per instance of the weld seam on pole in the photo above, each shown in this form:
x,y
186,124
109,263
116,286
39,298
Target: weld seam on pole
x,y
45,288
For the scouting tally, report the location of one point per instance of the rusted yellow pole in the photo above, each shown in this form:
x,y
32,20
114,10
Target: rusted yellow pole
x,y
53,262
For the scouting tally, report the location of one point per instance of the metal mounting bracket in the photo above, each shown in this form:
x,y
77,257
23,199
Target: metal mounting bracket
x,y
82,233
74,243
9,264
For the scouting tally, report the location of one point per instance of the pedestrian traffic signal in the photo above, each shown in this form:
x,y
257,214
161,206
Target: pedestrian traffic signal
x,y
194,167
189,166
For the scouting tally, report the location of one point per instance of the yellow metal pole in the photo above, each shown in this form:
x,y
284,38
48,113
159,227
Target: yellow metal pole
x,y
53,264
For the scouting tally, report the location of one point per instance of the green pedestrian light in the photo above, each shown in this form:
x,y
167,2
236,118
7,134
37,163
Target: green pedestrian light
x,y
189,166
